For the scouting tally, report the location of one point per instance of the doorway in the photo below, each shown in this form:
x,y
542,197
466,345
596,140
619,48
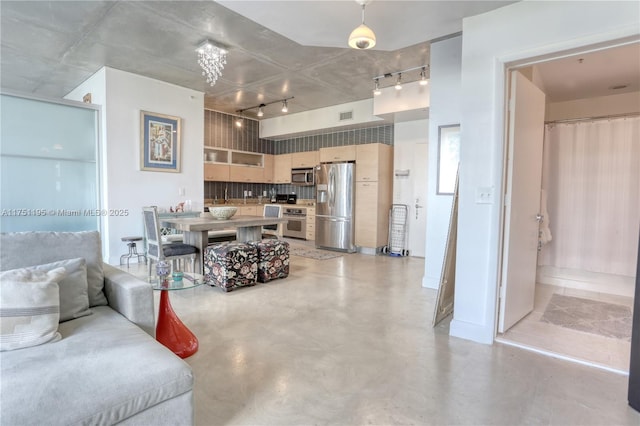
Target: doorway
x,y
567,302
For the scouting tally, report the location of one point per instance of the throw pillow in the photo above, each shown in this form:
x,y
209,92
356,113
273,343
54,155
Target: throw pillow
x,y
29,307
74,293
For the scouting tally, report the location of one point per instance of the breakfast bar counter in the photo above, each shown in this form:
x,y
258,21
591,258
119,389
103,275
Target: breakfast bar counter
x,y
195,230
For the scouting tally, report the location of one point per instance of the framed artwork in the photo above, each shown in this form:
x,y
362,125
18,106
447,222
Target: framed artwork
x,y
159,142
448,158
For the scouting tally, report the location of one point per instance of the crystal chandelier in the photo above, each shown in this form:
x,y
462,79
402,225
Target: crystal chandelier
x,y
212,59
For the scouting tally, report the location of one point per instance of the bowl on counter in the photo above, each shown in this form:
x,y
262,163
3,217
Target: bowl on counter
x,y
223,212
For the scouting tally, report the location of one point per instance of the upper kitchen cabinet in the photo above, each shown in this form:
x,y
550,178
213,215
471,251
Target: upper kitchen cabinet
x,y
268,169
374,162
282,168
216,172
338,153
304,159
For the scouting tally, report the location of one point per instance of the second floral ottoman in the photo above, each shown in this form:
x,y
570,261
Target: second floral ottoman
x,y
273,259
230,265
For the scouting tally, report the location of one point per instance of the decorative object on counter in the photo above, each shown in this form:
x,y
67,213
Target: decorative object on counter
x,y
212,60
159,142
177,276
223,213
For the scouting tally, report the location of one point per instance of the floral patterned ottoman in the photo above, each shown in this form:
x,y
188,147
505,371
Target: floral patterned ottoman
x,y
273,259
230,265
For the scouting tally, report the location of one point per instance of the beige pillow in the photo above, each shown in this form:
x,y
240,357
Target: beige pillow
x,y
29,307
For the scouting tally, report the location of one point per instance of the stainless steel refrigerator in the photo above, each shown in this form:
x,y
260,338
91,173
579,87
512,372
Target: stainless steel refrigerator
x,y
335,201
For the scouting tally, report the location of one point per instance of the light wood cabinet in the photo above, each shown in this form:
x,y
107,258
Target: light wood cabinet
x,y
282,168
251,210
338,153
216,172
311,223
267,174
373,162
305,159
374,193
246,174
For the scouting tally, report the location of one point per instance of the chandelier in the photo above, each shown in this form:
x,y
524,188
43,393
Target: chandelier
x,y
212,59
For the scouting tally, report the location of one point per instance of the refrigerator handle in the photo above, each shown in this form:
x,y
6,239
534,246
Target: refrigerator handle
x,y
332,186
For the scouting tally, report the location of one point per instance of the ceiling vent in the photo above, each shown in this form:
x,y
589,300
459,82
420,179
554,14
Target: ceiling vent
x,y
346,115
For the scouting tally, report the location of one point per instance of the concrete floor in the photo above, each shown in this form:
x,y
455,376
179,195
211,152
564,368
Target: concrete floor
x,y
348,341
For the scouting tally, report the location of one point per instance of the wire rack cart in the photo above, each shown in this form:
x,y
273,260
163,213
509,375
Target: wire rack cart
x,y
397,231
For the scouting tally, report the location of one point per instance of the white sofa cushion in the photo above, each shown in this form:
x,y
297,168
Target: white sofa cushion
x,y
103,371
74,296
29,307
22,249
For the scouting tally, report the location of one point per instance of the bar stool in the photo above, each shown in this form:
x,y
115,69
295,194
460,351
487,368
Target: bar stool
x,y
133,250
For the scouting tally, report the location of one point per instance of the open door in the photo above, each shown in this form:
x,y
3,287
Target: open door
x,y
522,201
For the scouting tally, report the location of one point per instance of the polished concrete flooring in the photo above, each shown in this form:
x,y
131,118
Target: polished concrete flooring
x,y
348,341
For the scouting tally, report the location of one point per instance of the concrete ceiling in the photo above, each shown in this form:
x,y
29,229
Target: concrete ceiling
x,y
277,49
50,47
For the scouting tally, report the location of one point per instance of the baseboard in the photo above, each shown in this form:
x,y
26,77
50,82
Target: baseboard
x,y
470,331
619,285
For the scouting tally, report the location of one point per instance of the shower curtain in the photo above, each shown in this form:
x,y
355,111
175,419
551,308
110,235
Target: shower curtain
x,y
591,174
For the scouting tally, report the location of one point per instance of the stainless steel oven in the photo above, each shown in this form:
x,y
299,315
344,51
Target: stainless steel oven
x,y
297,225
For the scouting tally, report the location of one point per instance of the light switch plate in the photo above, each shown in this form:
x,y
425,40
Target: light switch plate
x,y
484,195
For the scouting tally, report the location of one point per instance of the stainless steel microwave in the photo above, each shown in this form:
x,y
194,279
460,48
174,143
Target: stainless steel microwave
x,y
303,177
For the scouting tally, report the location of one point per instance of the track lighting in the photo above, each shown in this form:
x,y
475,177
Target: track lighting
x,y
423,77
261,108
362,37
376,90
398,85
423,80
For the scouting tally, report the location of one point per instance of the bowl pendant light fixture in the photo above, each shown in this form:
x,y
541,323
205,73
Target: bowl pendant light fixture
x,y
362,37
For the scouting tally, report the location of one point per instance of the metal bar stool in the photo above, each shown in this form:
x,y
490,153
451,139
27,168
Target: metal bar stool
x,y
133,250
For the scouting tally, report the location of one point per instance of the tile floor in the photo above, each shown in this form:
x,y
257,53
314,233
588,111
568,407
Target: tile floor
x,y
348,341
588,347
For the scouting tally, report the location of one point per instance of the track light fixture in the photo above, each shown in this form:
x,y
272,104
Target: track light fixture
x,y
422,78
376,90
398,85
261,108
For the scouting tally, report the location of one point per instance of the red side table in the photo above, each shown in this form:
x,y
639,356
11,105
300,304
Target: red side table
x,y
170,331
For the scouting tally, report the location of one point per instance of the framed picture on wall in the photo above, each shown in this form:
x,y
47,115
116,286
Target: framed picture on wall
x,y
159,142
448,158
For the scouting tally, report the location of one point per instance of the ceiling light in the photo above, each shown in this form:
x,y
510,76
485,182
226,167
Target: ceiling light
x,y
212,59
423,78
285,108
399,82
362,37
260,111
239,122
376,90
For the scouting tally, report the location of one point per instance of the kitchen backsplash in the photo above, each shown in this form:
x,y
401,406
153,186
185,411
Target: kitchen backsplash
x,y
236,190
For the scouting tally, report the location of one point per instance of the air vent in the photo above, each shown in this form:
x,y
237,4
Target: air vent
x,y
347,115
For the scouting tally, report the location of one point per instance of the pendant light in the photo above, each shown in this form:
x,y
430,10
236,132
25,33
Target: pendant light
x,y
423,78
376,90
399,82
285,107
260,111
362,37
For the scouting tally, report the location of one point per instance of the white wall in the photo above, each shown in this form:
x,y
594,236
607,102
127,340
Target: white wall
x,y
446,58
318,119
513,33
125,185
625,103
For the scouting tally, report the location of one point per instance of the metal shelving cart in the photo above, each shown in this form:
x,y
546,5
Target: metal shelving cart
x,y
397,231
